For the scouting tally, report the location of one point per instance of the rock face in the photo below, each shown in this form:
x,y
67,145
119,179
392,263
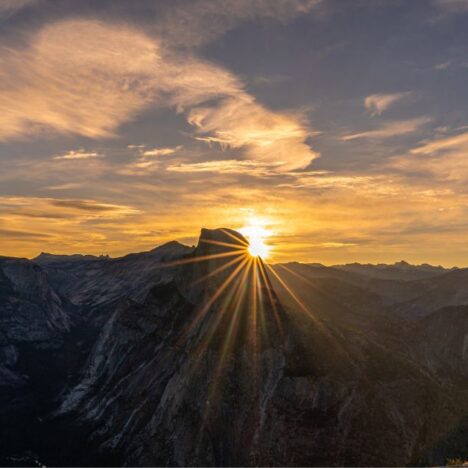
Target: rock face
x,y
34,321
93,281
206,356
31,315
202,365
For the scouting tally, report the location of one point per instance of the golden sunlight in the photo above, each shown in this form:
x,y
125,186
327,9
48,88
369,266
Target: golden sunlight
x,y
257,234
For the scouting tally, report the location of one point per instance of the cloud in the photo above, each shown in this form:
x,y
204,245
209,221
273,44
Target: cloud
x,y
80,154
67,186
46,207
161,151
91,206
391,129
8,233
227,166
443,159
18,211
376,104
328,181
57,222
335,245
195,22
8,7
86,77
76,77
452,6
443,65
452,144
240,122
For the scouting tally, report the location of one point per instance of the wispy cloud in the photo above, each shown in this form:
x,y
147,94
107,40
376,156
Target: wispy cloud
x,y
194,23
67,186
34,236
43,206
443,65
8,7
227,166
79,154
390,129
452,143
452,6
376,104
104,82
240,122
115,72
155,152
58,223
444,159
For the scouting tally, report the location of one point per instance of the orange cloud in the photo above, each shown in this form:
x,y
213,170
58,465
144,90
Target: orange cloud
x,y
443,158
87,77
77,76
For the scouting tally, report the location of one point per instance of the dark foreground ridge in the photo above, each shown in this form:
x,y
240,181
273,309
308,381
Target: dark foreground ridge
x,y
203,356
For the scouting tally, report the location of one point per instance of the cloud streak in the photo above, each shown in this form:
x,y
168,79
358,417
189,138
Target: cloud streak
x,y
80,154
115,72
390,129
155,152
79,77
226,166
196,22
444,159
376,104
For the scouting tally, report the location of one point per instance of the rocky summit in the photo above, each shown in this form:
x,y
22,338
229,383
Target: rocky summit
x,y
207,356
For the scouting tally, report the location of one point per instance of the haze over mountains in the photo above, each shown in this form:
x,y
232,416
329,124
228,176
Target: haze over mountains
x,y
156,358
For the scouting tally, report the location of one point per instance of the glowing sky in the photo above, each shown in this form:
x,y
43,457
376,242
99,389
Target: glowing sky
x,y
340,126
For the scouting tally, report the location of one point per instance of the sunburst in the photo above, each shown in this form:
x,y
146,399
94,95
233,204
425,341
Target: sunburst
x,y
236,287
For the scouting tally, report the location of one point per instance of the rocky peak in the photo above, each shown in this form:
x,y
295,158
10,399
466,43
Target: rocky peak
x,y
212,241
218,253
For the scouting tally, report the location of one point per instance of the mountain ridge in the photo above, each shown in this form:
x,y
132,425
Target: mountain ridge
x,y
202,356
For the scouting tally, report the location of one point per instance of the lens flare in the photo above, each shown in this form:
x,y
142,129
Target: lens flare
x,y
256,234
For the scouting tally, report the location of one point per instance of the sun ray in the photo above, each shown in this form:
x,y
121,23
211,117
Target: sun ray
x,y
236,238
214,323
200,315
201,258
315,319
240,291
224,244
260,301
237,294
268,287
291,293
310,283
219,269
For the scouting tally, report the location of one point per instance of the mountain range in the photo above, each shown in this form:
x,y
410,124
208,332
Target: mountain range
x,y
204,356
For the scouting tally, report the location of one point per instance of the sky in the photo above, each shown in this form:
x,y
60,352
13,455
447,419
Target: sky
x,y
340,127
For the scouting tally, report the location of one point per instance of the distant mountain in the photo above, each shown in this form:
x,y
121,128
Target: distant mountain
x,y
46,258
398,271
92,283
203,356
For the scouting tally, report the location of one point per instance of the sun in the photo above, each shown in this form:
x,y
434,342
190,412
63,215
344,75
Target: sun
x,y
257,234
